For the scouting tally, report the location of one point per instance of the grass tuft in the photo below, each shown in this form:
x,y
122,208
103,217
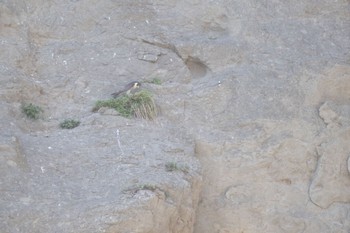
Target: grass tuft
x,y
140,105
31,111
69,124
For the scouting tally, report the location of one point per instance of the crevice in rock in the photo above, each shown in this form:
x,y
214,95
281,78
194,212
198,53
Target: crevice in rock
x,y
312,180
197,68
167,46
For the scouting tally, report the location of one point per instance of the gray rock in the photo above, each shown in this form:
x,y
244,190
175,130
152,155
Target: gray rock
x,y
254,100
331,182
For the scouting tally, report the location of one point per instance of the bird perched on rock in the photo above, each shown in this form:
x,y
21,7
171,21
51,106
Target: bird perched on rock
x,y
128,89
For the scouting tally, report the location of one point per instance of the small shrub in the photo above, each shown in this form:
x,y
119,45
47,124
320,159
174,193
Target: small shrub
x,y
150,187
140,105
172,166
120,104
31,111
69,124
156,81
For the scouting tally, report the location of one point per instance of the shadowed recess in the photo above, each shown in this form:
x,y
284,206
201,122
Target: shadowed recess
x,y
197,68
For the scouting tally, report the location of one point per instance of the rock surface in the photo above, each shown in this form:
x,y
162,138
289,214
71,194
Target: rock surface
x,y
254,103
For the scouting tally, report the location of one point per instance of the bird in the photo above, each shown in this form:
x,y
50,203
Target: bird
x,y
128,89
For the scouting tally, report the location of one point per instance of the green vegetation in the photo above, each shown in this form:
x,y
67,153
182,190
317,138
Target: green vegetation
x,y
172,166
156,81
31,111
150,187
69,124
140,105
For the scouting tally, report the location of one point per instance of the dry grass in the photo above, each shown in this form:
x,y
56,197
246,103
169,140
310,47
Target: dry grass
x,y
144,107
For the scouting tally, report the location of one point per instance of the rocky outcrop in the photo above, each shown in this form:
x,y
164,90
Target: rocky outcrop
x,y
331,181
254,116
85,181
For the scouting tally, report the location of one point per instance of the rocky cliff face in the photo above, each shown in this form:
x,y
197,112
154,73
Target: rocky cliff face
x,y
254,117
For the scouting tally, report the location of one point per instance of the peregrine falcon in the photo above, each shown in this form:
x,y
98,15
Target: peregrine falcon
x,y
128,89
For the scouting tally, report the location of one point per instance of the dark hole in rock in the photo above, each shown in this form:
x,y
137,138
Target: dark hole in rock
x,y
197,68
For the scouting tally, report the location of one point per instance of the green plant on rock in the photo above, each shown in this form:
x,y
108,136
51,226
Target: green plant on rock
x,y
156,81
31,111
69,124
173,166
120,104
140,105
150,187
